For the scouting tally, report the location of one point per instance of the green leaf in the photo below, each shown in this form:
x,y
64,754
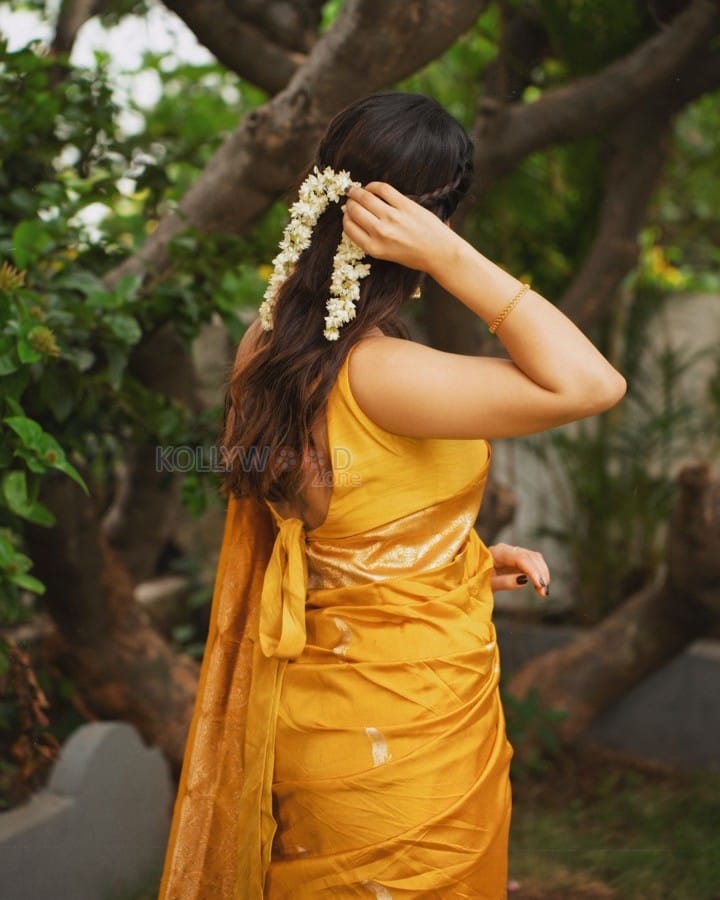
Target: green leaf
x,y
8,363
117,360
128,286
7,551
84,282
68,469
45,447
14,489
27,582
13,405
82,359
28,430
125,328
29,239
26,353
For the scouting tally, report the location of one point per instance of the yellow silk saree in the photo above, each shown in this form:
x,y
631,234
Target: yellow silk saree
x,y
348,738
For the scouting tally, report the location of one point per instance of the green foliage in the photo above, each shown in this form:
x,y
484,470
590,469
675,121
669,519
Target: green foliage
x,y
533,732
65,339
330,12
613,476
455,78
641,834
684,215
587,34
198,106
540,220
75,196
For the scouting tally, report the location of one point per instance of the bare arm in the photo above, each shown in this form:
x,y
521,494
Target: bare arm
x,y
555,374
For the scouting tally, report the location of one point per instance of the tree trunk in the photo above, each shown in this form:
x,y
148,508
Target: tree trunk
x,y
121,666
584,677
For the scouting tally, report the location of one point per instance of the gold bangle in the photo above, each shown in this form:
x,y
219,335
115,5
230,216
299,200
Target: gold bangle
x,y
496,323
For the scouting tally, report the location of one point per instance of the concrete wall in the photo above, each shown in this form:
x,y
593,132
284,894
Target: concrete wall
x,y
689,323
99,828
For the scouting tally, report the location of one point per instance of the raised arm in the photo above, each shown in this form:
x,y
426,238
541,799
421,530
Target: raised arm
x,y
555,374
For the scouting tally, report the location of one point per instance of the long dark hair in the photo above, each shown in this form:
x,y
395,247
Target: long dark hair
x,y
279,390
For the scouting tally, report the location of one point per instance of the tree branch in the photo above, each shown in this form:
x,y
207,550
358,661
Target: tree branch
x,y
72,16
293,24
598,667
642,135
454,327
237,44
262,158
628,188
505,136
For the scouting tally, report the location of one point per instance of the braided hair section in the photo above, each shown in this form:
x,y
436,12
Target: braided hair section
x,y
444,200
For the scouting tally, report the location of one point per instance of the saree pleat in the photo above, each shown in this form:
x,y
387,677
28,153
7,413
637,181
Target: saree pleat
x,y
369,739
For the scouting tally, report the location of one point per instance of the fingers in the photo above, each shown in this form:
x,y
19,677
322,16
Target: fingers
x,y
356,234
361,201
388,225
512,563
380,193
365,216
373,224
508,582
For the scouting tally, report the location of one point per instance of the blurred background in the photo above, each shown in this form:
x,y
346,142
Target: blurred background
x,y
147,155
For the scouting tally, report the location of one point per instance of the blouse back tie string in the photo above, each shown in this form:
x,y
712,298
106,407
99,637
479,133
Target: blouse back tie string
x,y
282,607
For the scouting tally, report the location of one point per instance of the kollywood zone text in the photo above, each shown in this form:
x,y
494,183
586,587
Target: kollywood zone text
x,y
186,458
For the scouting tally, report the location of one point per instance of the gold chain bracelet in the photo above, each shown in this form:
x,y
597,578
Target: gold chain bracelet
x,y
497,322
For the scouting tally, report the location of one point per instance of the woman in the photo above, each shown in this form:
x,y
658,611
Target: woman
x,y
348,739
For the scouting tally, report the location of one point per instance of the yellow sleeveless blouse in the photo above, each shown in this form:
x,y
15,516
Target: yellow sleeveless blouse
x,y
348,738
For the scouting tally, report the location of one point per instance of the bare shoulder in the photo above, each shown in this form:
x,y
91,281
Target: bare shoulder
x,y
403,386
410,389
376,358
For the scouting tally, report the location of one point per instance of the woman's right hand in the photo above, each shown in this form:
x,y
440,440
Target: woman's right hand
x,y
388,225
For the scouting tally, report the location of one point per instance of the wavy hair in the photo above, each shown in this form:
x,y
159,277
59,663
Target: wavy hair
x,y
278,391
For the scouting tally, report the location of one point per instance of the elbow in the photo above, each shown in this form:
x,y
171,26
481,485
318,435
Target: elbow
x,y
607,392
616,389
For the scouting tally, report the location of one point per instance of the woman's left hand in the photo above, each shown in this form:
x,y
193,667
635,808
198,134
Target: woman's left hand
x,y
516,566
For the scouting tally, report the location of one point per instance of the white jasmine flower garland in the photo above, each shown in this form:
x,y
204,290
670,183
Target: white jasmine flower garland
x,y
344,286
316,192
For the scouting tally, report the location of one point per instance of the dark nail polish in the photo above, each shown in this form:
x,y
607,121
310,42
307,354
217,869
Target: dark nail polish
x,y
522,579
547,590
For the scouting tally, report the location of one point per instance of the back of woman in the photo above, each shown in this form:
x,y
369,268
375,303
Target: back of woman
x,y
390,712
373,757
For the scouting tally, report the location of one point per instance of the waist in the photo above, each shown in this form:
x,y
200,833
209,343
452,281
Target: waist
x,y
429,538
436,612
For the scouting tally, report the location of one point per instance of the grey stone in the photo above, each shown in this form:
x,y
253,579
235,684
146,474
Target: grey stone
x,y
100,827
673,716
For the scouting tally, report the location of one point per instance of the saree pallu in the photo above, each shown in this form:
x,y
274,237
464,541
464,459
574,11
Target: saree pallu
x,y
348,739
